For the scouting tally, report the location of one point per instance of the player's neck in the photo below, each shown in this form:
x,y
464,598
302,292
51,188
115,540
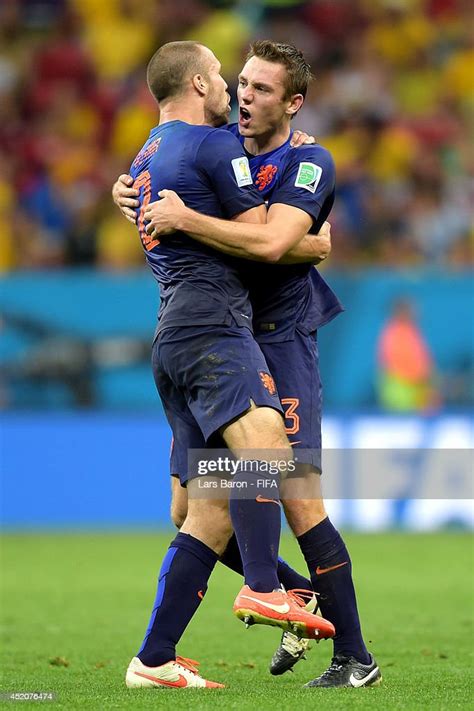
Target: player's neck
x,y
186,111
266,142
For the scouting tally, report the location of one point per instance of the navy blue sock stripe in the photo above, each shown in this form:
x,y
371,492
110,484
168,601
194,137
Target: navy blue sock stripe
x,y
166,565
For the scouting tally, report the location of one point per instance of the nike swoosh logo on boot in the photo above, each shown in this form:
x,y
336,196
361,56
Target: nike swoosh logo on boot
x,y
276,608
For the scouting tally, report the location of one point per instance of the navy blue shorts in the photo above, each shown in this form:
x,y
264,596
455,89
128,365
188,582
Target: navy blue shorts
x,y
206,377
294,365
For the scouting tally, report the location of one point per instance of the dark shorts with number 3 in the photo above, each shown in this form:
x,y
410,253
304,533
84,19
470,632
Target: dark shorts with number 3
x,y
206,377
294,365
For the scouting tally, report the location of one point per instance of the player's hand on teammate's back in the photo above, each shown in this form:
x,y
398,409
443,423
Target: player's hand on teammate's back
x,y
163,215
300,138
125,197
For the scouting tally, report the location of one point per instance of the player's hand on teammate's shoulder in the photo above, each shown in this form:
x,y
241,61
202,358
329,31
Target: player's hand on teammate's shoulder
x,y
300,138
125,197
323,242
163,215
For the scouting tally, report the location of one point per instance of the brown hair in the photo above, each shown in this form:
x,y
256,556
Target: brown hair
x,y
171,65
298,71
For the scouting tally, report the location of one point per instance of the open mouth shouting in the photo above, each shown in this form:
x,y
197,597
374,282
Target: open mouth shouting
x,y
244,117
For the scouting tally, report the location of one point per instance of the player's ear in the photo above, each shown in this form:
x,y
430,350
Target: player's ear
x,y
200,84
294,104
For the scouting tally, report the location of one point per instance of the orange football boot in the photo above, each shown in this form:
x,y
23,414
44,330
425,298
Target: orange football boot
x,y
179,673
281,609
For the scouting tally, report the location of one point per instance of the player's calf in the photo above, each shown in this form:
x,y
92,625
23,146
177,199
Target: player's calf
x,y
207,520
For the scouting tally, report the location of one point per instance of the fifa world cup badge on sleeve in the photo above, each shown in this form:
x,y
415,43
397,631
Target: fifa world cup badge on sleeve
x,y
309,175
242,171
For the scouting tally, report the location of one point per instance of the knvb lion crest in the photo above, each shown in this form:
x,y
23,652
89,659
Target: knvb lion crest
x,y
268,382
265,176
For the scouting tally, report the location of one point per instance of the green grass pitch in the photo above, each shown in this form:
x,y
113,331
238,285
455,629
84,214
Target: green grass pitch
x,y
74,609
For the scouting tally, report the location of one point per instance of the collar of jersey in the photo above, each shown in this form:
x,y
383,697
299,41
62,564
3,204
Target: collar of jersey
x,y
264,156
169,123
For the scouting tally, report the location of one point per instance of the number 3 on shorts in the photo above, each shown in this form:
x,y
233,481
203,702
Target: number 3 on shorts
x,y
292,419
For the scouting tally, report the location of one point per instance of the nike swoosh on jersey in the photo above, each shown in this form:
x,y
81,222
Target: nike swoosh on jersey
x,y
361,682
179,683
321,571
276,608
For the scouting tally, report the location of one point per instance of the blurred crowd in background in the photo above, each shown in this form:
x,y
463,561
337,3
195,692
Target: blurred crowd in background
x,y
392,100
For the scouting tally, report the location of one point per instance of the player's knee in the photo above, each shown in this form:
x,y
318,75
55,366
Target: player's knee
x,y
179,502
178,513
